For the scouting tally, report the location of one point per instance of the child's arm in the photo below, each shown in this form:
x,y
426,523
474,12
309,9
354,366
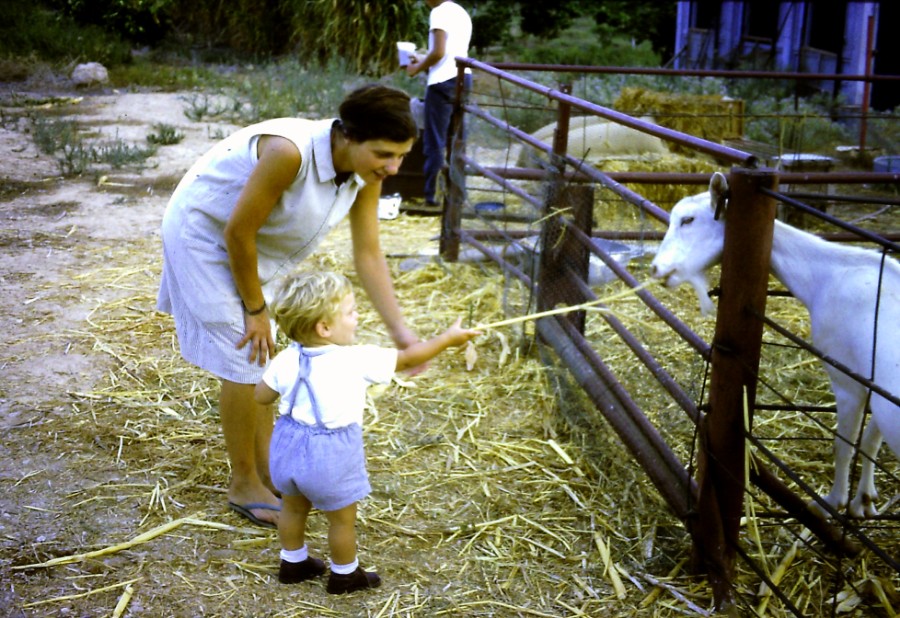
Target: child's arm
x,y
263,394
423,351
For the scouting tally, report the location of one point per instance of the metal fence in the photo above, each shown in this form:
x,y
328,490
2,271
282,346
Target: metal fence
x,y
542,235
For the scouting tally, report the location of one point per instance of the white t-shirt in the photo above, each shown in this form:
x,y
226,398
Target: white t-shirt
x,y
339,376
452,19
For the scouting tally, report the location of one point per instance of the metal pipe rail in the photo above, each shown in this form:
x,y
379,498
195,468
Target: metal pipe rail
x,y
724,153
569,68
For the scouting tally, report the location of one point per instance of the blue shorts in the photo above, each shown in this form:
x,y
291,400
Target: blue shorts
x,y
327,466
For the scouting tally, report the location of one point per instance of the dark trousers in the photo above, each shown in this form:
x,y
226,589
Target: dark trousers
x,y
438,109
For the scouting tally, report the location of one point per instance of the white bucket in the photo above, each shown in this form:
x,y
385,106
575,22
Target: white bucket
x,y
405,51
389,206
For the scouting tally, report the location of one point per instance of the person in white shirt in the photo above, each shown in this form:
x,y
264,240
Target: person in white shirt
x,y
316,456
449,33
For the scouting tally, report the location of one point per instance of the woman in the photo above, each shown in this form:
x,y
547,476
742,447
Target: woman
x,y
246,212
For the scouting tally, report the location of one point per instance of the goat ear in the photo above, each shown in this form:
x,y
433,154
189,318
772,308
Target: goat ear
x,y
718,193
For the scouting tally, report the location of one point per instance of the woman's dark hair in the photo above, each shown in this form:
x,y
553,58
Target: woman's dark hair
x,y
378,112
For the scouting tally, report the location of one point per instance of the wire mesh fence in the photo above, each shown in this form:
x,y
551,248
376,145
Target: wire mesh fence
x,y
547,210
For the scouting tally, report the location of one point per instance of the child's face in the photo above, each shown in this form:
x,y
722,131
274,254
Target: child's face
x,y
342,326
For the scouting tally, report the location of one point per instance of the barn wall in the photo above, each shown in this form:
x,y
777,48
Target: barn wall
x,y
803,40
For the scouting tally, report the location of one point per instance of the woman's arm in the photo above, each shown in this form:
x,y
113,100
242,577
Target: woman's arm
x,y
371,266
276,169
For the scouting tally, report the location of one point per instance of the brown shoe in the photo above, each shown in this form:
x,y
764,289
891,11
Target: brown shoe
x,y
296,572
357,580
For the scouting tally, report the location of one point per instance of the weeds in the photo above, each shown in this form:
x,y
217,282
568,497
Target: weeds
x,y
75,155
165,135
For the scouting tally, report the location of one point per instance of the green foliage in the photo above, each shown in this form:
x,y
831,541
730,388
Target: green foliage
x,y
27,29
546,19
361,33
164,135
642,21
793,124
261,28
142,21
288,88
580,45
167,75
491,25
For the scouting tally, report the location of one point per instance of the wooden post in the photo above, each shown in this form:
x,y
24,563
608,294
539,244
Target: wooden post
x,y
749,224
562,254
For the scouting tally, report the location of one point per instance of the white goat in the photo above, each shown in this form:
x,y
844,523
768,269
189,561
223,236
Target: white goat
x,y
838,284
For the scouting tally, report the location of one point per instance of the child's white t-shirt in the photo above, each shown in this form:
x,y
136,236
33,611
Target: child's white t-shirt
x,y
339,376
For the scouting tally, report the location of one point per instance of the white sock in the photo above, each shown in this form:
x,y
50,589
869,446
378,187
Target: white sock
x,y
344,569
295,555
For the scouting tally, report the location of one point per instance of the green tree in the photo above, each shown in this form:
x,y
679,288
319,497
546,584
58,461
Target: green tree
x,y
643,21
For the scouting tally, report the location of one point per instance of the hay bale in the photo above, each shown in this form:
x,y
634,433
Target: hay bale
x,y
664,195
712,117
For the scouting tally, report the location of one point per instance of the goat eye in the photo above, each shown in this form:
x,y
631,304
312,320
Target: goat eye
x,y
687,221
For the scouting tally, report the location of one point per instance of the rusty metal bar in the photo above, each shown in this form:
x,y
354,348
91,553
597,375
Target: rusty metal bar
x,y
860,233
646,445
489,173
568,68
894,398
718,151
849,199
504,265
760,475
695,178
659,373
689,336
559,249
735,364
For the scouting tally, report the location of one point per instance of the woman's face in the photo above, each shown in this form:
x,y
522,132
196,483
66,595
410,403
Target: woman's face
x,y
376,159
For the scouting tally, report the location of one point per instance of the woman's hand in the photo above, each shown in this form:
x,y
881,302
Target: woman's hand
x,y
258,333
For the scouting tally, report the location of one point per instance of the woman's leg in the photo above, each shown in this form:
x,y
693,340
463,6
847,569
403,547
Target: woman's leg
x,y
247,426
342,534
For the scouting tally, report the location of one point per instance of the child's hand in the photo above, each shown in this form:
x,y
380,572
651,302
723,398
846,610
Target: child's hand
x,y
459,335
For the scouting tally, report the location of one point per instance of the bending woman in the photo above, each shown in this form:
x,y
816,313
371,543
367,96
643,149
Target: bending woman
x,y
248,211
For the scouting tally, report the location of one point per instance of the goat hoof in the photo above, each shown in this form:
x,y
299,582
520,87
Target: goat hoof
x,y
863,507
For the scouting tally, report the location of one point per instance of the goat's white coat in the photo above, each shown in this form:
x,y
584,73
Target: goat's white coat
x,y
839,286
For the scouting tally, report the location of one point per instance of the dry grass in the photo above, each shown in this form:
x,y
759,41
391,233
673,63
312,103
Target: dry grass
x,y
485,502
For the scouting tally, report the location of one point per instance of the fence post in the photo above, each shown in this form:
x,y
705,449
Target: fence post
x,y
455,176
563,255
735,364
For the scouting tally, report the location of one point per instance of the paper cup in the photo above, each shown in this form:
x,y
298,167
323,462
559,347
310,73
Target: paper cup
x,y
389,206
405,51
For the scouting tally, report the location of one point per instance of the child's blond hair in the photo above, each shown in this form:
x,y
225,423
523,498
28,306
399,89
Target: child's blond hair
x,y
303,299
